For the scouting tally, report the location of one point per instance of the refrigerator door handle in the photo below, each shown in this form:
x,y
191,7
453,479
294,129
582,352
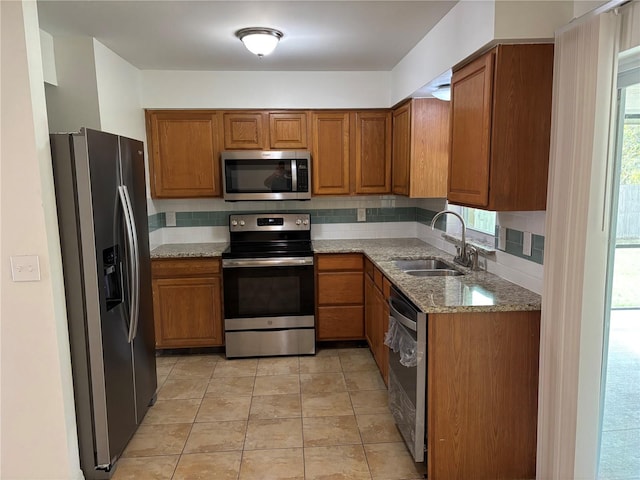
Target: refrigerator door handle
x,y
134,261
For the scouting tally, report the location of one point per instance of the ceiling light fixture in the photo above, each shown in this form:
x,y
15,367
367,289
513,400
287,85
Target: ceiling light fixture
x,y
260,41
442,92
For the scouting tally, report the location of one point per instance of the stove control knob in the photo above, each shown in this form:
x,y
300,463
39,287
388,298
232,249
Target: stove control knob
x,y
234,222
242,223
298,222
305,222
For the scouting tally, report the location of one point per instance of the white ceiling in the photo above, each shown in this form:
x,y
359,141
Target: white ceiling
x,y
199,35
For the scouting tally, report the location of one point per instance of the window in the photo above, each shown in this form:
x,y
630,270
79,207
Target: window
x,y
480,220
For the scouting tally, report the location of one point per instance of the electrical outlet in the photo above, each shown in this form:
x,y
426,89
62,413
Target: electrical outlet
x,y
170,219
526,244
362,214
25,268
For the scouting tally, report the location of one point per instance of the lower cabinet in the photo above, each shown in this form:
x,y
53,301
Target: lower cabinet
x,y
339,296
376,294
187,302
482,395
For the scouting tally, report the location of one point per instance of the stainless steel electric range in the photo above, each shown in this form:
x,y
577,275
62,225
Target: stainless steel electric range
x,y
268,279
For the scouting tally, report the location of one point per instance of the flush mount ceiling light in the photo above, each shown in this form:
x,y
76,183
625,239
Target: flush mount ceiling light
x,y
443,92
259,40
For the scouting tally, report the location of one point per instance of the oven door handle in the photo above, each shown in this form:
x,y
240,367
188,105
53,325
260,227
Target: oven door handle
x,y
400,318
266,262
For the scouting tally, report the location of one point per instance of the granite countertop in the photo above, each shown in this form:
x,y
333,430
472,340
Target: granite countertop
x,y
185,250
479,291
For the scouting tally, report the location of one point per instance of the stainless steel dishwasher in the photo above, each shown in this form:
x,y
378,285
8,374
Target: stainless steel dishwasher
x,y
407,341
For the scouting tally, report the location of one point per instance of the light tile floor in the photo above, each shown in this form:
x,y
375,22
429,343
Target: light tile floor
x,y
320,417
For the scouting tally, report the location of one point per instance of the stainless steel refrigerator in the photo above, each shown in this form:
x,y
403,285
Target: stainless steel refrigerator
x,y
102,215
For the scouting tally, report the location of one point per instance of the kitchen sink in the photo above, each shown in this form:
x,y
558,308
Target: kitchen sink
x,y
427,267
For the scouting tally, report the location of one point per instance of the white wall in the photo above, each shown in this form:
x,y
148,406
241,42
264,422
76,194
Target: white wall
x,y
118,86
444,46
37,434
531,20
48,58
74,102
189,89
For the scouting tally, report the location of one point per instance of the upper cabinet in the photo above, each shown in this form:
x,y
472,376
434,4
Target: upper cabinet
x,y
421,148
288,130
184,153
500,129
351,152
244,130
372,152
330,154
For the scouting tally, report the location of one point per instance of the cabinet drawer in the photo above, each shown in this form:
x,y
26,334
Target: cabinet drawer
x,y
386,288
340,262
368,267
335,323
377,278
184,267
340,288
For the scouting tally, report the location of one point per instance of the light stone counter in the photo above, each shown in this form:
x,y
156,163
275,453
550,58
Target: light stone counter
x,y
186,250
473,292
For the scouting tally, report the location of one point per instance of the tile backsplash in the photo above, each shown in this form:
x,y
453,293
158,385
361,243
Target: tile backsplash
x,y
386,216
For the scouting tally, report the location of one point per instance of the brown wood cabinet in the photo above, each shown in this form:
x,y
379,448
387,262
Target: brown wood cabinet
x,y
351,152
339,297
187,302
184,153
421,148
482,392
500,129
372,157
376,294
245,130
288,130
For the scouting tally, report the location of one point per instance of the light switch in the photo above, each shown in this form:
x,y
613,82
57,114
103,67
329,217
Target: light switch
x,y
170,219
25,268
526,243
362,214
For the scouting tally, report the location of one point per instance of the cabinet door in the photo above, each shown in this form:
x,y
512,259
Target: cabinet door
x,y
330,162
401,148
244,130
185,154
369,313
373,152
471,104
187,312
429,157
288,130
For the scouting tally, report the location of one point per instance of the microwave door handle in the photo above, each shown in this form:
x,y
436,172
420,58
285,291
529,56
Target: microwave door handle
x,y
294,176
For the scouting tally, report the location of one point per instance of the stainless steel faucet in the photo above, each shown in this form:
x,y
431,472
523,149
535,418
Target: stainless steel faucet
x,y
467,255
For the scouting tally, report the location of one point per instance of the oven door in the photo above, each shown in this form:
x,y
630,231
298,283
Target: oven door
x,y
268,287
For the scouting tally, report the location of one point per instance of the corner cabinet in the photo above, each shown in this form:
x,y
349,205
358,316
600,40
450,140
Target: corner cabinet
x,y
187,302
500,129
184,153
351,152
339,296
421,148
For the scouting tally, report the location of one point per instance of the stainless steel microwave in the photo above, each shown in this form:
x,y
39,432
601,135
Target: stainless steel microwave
x,y
266,175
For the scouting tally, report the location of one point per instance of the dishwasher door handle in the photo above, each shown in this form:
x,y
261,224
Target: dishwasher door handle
x,y
400,318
